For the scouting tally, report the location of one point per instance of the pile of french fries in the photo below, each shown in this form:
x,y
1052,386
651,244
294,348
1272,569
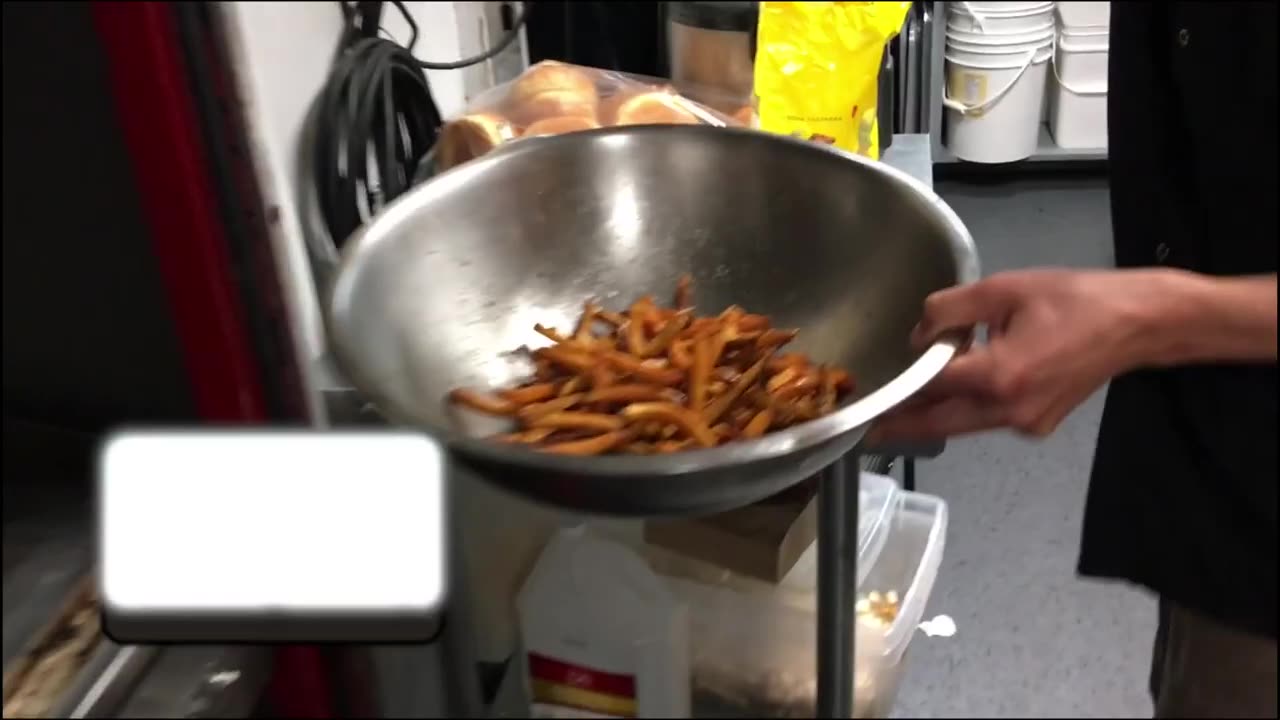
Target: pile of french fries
x,y
657,380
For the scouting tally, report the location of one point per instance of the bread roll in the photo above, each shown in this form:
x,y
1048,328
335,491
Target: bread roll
x,y
551,89
655,107
560,125
471,136
746,116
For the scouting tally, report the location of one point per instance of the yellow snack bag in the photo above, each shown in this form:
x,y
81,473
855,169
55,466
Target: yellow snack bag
x,y
818,66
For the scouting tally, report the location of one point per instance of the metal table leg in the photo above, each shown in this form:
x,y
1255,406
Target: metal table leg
x,y
837,578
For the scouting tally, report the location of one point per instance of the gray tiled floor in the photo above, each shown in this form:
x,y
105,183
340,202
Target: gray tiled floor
x,y
1033,640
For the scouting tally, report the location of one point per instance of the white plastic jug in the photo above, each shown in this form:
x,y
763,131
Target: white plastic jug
x,y
603,635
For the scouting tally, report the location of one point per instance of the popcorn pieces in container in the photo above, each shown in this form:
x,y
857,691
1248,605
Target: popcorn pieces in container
x,y
753,644
552,98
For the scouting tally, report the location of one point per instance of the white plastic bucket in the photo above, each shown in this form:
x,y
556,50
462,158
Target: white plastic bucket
x,y
998,7
1004,44
967,16
995,95
1042,24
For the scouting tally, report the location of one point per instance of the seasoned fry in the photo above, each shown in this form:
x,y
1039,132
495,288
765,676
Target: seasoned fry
x,y
583,332
843,382
569,420
529,393
735,391
789,360
601,376
658,380
526,437
777,381
549,333
753,323
481,402
668,334
685,419
803,385
615,319
571,386
684,292
830,389
776,338
700,373
575,360
654,371
635,329
681,354
758,425
633,392
597,445
667,447
533,412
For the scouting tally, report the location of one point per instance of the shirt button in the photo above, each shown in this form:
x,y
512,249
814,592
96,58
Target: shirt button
x,y
1184,37
1162,252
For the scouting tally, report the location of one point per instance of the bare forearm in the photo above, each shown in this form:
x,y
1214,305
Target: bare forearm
x,y
1202,319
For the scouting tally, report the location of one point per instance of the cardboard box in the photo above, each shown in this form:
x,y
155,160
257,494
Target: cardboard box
x,y
762,541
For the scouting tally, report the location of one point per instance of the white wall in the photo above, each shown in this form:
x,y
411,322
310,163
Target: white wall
x,y
282,52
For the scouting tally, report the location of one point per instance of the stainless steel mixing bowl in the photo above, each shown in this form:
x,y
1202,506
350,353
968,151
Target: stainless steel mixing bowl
x,y
438,290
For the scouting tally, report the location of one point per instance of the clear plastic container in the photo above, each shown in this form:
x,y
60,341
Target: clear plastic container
x,y
753,644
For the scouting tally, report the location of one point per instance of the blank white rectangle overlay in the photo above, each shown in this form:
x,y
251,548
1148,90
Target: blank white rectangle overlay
x,y
245,522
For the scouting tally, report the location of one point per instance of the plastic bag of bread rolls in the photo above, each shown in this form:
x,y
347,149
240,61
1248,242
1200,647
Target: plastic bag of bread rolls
x,y
552,98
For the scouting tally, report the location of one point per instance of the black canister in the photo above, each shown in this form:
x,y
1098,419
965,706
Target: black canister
x,y
711,51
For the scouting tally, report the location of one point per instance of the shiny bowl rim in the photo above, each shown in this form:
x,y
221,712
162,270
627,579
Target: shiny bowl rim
x,y
846,420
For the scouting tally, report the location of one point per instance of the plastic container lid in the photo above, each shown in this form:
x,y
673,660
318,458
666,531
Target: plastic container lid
x,y
1080,15
878,503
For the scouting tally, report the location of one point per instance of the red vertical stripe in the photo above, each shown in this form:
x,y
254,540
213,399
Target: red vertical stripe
x,y
157,115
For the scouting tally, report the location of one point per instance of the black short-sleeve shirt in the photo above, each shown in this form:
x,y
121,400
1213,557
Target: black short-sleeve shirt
x,y
1183,494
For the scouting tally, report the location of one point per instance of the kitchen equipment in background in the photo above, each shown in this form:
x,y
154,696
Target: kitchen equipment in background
x,y
1078,90
619,35
910,50
711,51
602,633
886,119
997,61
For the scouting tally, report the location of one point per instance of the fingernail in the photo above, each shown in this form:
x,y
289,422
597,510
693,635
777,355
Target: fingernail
x,y
918,336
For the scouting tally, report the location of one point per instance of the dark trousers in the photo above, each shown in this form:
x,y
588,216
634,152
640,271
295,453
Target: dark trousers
x,y
1202,669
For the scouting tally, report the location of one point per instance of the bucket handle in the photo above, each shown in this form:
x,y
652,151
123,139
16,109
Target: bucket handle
x,y
963,109
1065,86
977,16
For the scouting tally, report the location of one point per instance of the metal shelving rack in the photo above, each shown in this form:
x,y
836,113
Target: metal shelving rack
x,y
935,81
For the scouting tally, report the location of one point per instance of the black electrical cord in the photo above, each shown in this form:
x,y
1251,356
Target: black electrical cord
x,y
375,120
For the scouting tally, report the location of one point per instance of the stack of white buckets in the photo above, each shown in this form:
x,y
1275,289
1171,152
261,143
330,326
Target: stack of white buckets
x,y
1013,65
